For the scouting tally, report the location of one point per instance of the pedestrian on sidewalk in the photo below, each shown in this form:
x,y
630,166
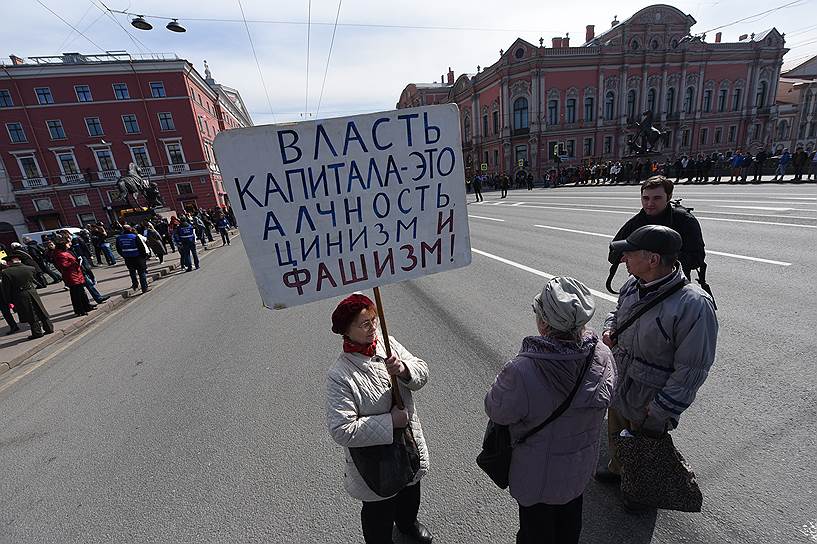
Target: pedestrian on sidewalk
x,y
73,276
163,228
477,185
18,251
185,238
198,225
665,357
99,239
18,286
813,171
154,240
504,182
759,162
552,467
38,253
133,250
800,162
360,412
223,226
5,300
782,164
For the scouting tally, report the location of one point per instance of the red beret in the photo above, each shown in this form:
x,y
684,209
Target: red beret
x,y
347,311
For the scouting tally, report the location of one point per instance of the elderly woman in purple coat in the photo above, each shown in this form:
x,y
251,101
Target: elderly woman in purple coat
x,y
550,470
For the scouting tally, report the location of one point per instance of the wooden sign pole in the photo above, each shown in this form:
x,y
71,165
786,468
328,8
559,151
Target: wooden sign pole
x,y
395,390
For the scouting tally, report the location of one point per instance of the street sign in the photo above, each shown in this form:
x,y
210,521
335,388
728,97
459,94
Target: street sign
x,y
484,167
334,206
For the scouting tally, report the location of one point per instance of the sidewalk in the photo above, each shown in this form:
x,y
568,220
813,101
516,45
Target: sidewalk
x,y
110,280
765,179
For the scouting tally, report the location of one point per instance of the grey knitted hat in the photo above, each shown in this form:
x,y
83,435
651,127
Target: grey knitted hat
x,y
565,303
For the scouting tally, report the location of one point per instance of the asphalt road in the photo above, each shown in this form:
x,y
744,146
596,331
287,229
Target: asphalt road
x,y
195,415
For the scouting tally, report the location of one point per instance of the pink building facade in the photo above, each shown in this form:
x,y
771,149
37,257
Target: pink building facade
x,y
577,102
71,125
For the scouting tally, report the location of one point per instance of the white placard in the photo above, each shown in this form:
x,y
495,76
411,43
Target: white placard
x,y
339,205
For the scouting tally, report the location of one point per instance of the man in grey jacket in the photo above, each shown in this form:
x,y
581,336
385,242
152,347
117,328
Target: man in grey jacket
x,y
664,356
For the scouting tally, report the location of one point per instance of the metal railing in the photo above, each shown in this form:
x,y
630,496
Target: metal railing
x,y
73,178
110,175
30,183
178,168
146,171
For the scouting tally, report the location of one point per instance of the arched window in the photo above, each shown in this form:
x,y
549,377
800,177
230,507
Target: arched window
x,y
631,104
689,100
520,113
760,99
467,128
553,112
782,129
588,108
570,110
807,103
670,101
651,101
609,105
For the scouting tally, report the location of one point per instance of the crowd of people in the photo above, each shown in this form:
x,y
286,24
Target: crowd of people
x,y
643,371
71,257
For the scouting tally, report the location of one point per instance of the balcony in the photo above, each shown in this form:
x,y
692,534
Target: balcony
x,y
178,168
109,175
32,183
72,178
146,171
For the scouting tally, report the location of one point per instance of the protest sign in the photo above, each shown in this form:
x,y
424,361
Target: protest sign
x,y
338,205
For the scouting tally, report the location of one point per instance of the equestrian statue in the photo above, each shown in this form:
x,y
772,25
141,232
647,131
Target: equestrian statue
x,y
647,137
132,184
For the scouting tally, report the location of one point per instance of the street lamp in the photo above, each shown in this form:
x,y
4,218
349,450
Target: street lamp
x,y
140,23
174,26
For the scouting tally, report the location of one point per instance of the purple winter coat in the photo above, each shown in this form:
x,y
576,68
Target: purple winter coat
x,y
554,465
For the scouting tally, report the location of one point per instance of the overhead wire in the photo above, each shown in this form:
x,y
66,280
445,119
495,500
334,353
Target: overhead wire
x,y
744,19
57,15
328,59
140,45
257,64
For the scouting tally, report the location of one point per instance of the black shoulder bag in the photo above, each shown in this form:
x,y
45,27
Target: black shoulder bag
x,y
497,448
647,307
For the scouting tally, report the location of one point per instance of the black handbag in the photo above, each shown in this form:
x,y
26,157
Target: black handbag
x,y
388,468
497,448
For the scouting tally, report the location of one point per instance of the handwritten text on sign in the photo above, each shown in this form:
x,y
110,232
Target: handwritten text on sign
x,y
334,206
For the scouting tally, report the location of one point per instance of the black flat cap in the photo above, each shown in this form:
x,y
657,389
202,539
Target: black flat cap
x,y
653,238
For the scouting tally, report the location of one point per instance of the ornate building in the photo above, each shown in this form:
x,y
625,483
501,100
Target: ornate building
x,y
577,102
797,108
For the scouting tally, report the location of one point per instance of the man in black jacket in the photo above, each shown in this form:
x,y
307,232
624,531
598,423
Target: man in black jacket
x,y
656,193
19,287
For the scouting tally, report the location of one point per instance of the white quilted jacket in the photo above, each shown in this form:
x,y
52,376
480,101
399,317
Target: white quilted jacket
x,y
358,405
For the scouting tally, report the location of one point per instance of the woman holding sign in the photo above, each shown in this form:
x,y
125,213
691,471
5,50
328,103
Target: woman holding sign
x,y
386,454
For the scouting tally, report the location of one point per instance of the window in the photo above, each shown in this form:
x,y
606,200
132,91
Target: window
x,y
570,110
736,99
812,127
184,188
520,113
519,53
588,147
718,135
704,136
608,145
131,124
44,95
94,126
16,133
166,121
495,116
174,152
553,112
732,131
570,148
120,91
104,159
42,204
609,105
80,200
782,129
157,89
670,101
485,126
760,98
689,100
685,138
55,130
5,99
29,167
83,93
651,101
588,108
708,100
631,104
521,154
86,219
140,156
68,163
722,100
802,133
466,124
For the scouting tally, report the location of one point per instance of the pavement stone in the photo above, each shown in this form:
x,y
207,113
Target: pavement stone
x,y
111,280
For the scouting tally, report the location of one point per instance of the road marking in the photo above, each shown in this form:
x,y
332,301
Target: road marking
x,y
721,253
487,218
697,201
545,275
767,208
698,210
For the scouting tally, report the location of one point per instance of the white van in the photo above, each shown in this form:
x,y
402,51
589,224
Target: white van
x,y
39,236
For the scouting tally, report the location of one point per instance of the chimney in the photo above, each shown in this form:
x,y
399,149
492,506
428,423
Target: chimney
x,y
442,80
557,43
566,40
718,37
15,60
450,76
614,21
589,33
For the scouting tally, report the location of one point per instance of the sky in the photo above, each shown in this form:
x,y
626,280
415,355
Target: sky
x,y
379,46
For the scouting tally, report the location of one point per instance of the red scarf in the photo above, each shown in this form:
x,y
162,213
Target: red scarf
x,y
353,347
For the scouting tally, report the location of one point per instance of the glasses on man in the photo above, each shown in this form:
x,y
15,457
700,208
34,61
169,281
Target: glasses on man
x,y
368,325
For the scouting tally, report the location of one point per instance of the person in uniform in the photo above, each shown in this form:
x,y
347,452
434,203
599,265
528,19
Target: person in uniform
x,y
185,237
664,356
19,286
134,252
